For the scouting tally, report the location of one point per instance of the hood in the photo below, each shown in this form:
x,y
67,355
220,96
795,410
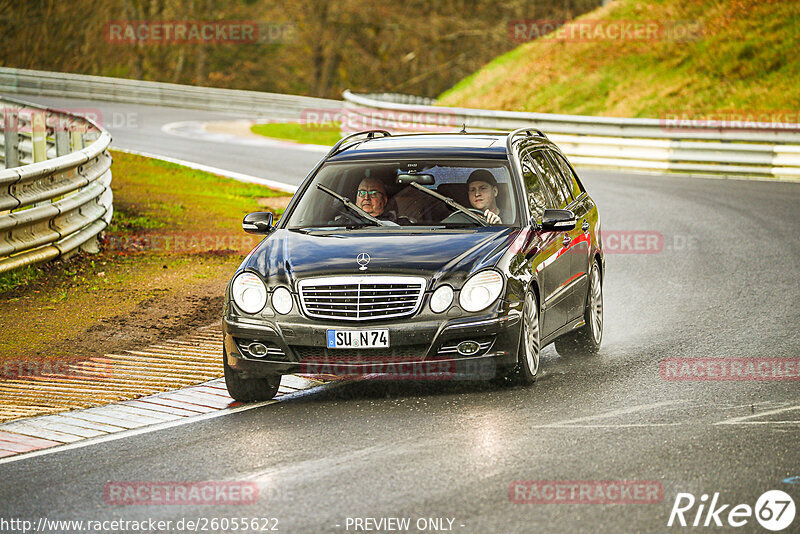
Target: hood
x,y
288,256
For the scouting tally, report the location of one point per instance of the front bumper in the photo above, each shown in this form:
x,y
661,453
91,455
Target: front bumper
x,y
420,346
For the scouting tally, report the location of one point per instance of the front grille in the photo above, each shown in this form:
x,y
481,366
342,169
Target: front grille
x,y
273,352
404,353
361,298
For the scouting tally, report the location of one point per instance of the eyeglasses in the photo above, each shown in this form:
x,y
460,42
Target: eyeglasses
x,y
372,193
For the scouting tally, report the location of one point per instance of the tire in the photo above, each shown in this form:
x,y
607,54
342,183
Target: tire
x,y
249,389
530,345
587,339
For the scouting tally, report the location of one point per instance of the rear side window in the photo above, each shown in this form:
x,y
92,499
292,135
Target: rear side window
x,y
568,174
537,199
551,180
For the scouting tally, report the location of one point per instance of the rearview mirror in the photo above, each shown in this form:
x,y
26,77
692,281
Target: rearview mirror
x,y
558,220
259,222
421,179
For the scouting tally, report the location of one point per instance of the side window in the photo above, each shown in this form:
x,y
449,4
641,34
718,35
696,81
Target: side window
x,y
537,201
572,179
552,180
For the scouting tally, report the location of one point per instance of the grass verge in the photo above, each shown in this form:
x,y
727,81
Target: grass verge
x,y
174,241
327,134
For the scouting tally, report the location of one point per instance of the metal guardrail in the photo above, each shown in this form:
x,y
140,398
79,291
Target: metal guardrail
x,y
55,192
34,82
606,142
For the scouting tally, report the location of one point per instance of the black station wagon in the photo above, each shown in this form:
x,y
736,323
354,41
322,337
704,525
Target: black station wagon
x,y
419,256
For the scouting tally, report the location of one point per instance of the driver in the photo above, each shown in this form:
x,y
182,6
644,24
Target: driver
x,y
483,194
371,197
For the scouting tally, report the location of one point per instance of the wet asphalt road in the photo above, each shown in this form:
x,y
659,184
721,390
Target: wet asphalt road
x,y
723,285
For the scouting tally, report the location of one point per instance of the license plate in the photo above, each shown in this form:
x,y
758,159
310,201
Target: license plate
x,y
358,339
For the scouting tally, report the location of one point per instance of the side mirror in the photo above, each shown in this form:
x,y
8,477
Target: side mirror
x,y
558,220
259,222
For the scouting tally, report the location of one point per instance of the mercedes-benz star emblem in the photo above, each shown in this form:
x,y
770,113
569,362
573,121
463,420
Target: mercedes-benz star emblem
x,y
363,260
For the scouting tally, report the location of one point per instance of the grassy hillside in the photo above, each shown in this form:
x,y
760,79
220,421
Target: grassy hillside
x,y
746,59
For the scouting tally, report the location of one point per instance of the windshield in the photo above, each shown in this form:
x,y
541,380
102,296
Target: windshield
x,y
384,191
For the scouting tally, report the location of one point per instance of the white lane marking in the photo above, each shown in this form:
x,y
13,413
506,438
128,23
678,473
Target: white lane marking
x,y
613,413
173,407
621,425
46,423
63,418
36,432
107,419
135,432
110,411
744,419
123,409
197,130
289,188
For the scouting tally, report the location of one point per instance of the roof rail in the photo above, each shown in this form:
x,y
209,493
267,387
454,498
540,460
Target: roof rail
x,y
371,134
526,130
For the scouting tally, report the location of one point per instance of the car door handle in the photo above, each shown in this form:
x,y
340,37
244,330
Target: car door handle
x,y
567,240
585,226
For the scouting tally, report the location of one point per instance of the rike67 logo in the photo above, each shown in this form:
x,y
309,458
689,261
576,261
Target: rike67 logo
x,y
774,511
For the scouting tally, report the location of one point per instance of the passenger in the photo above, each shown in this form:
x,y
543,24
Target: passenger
x,y
483,193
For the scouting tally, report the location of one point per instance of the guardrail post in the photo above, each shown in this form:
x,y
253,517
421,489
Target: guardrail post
x,y
76,137
62,143
61,127
11,136
39,136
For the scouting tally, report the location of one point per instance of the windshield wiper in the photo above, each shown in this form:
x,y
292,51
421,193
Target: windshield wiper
x,y
350,205
452,203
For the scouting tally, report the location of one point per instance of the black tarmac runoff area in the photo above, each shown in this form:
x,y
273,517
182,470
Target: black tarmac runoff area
x,y
689,406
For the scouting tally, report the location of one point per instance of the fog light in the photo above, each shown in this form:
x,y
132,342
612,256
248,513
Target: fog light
x,y
468,348
257,350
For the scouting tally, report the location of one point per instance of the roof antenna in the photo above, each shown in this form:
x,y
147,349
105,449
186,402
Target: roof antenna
x,y
464,128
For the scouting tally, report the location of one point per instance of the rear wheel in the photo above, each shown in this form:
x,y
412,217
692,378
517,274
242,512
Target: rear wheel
x,y
587,338
530,342
249,389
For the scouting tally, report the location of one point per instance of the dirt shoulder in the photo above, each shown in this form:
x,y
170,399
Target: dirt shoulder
x,y
174,242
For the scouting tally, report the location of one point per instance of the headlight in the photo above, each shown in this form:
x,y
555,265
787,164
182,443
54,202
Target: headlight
x,y
481,290
282,300
249,293
441,299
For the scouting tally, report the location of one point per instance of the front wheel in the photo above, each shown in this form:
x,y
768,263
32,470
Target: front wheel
x,y
529,343
249,389
588,337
